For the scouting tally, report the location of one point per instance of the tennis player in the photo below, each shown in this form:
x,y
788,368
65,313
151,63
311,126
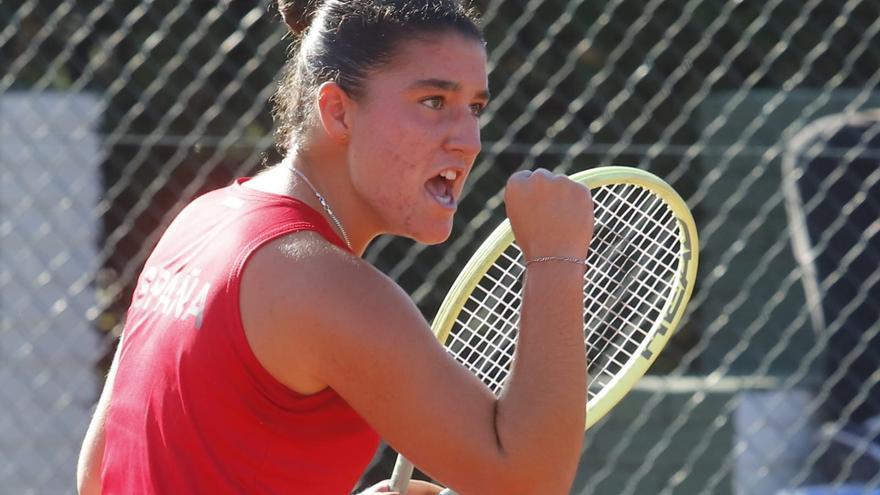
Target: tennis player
x,y
261,354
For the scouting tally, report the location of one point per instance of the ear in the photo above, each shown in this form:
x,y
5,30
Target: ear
x,y
335,111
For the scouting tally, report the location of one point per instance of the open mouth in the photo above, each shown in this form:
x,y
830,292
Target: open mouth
x,y
441,187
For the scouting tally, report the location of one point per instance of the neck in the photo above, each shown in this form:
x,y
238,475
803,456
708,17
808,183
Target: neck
x,y
327,196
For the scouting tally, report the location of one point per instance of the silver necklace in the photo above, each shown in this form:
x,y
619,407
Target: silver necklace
x,y
325,205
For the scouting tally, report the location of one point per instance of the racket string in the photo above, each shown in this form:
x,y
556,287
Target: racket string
x,y
638,230
605,364
491,357
602,276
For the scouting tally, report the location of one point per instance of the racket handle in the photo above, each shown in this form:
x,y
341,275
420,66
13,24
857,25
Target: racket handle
x,y
401,475
448,491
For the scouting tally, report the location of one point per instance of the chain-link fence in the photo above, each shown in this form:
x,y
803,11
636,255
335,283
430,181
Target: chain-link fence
x,y
113,114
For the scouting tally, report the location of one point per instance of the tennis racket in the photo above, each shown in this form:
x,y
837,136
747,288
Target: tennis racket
x,y
641,268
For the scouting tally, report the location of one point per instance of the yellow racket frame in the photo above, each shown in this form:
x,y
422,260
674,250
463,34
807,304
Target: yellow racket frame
x,y
673,309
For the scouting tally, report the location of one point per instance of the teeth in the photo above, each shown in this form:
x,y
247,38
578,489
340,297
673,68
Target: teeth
x,y
449,174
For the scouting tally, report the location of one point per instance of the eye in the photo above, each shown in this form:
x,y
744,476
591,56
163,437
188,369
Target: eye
x,y
433,102
477,108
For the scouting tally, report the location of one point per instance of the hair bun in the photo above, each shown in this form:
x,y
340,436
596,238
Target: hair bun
x,y
298,14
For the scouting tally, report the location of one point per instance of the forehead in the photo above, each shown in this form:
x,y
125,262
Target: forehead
x,y
443,56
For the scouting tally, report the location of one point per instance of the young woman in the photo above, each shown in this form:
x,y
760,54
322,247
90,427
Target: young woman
x,y
262,355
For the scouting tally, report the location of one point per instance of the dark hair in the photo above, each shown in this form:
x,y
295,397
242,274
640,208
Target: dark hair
x,y
343,40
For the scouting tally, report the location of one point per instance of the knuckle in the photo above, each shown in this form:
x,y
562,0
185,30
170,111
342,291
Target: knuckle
x,y
544,174
518,177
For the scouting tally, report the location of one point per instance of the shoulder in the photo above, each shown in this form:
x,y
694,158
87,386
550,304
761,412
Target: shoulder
x,y
303,299
306,265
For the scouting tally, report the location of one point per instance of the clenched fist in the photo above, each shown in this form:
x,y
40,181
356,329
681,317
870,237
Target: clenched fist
x,y
550,214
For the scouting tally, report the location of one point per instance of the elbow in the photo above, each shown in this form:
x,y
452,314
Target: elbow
x,y
86,486
521,475
529,472
88,476
83,487
525,467
517,484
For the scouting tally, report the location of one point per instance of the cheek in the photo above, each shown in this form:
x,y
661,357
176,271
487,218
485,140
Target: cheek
x,y
384,174
395,187
392,161
398,161
404,134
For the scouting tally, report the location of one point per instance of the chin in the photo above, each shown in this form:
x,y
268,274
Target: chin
x,y
430,238
437,235
434,240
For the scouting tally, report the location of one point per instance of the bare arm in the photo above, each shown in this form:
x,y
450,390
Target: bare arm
x,y
317,317
541,413
91,454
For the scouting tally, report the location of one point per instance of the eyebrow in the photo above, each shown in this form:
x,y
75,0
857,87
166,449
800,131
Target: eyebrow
x,y
445,85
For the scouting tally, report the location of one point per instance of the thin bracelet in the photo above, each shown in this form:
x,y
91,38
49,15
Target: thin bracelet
x,y
567,259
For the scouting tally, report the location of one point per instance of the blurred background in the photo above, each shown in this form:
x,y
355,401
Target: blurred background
x,y
761,113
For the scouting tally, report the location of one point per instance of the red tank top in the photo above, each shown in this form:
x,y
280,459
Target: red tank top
x,y
193,410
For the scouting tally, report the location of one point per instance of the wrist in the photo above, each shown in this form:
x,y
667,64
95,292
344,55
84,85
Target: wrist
x,y
556,259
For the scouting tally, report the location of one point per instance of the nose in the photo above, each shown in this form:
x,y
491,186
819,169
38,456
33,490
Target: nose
x,y
464,137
